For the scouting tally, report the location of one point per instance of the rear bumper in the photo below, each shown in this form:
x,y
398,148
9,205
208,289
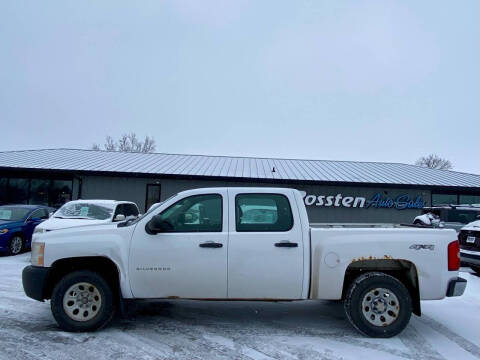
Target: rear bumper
x,y
456,287
34,279
470,257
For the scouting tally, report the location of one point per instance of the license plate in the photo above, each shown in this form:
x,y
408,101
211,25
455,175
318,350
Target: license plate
x,y
470,239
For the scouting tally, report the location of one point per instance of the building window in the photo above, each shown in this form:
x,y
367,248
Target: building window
x,y
60,192
444,199
3,190
18,190
35,191
469,199
39,191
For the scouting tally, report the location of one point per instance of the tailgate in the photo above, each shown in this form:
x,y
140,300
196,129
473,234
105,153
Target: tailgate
x,y
469,240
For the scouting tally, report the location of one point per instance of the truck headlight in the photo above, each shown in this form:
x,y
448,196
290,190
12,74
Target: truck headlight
x,y
38,250
3,231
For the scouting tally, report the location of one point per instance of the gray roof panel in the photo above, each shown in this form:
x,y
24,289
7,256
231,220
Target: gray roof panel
x,y
235,167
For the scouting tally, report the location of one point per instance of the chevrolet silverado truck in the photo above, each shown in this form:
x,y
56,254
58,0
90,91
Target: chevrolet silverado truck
x,y
252,244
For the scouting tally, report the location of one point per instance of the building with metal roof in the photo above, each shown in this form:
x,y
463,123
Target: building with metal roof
x,y
53,176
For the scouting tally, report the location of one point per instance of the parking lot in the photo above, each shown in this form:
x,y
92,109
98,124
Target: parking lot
x,y
448,329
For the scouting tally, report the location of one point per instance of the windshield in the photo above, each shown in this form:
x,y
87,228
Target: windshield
x,y
10,213
84,210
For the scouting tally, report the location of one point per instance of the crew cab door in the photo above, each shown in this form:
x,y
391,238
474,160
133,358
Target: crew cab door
x,y
188,260
265,255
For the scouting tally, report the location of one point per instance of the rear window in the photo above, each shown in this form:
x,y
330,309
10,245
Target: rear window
x,y
263,212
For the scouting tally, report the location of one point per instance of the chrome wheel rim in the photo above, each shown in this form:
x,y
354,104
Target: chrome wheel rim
x,y
82,301
16,245
380,307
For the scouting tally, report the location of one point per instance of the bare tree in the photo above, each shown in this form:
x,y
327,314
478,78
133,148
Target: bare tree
x,y
135,145
110,144
433,161
148,145
128,143
124,144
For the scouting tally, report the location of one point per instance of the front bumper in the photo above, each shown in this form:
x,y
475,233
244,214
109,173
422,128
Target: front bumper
x,y
4,241
34,279
469,257
456,287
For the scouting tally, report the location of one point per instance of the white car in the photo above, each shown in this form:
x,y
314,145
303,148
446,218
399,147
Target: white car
x,y
469,237
428,219
88,212
242,244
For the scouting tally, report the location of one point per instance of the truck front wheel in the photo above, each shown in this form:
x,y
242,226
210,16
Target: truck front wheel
x,y
378,305
82,301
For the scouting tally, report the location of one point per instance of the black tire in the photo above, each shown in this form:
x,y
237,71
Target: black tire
x,y
475,268
13,248
361,289
104,312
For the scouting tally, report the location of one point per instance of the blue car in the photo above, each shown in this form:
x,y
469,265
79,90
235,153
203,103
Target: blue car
x,y
17,223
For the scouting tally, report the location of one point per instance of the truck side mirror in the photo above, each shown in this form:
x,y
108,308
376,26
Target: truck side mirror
x,y
119,217
157,225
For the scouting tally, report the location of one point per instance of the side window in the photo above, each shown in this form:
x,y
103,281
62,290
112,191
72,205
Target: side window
x,y
199,213
119,210
130,210
263,212
39,214
34,214
45,214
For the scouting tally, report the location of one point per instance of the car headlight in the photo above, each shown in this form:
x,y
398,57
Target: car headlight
x,y
38,251
3,231
38,230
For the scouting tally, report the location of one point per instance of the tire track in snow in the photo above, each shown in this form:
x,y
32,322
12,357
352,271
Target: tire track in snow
x,y
419,345
445,331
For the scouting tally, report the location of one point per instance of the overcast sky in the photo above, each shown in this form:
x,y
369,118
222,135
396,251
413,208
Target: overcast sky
x,y
342,80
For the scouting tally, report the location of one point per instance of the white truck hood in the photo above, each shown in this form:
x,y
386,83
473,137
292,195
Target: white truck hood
x,y
57,223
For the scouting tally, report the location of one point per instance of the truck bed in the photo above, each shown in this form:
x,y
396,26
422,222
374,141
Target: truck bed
x,y
334,248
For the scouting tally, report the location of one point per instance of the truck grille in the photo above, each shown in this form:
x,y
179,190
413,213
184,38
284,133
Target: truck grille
x,y
464,235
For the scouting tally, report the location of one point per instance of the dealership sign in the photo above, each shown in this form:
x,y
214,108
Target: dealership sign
x,y
400,202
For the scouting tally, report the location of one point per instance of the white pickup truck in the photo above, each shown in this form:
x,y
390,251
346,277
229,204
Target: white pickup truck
x,y
242,244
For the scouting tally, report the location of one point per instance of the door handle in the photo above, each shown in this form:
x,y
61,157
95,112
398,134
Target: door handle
x,y
211,244
286,244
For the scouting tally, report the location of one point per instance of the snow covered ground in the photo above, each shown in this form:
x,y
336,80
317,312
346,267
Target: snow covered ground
x,y
448,329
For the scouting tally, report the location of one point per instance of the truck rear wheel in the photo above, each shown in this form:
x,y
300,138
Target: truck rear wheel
x,y
82,301
378,305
